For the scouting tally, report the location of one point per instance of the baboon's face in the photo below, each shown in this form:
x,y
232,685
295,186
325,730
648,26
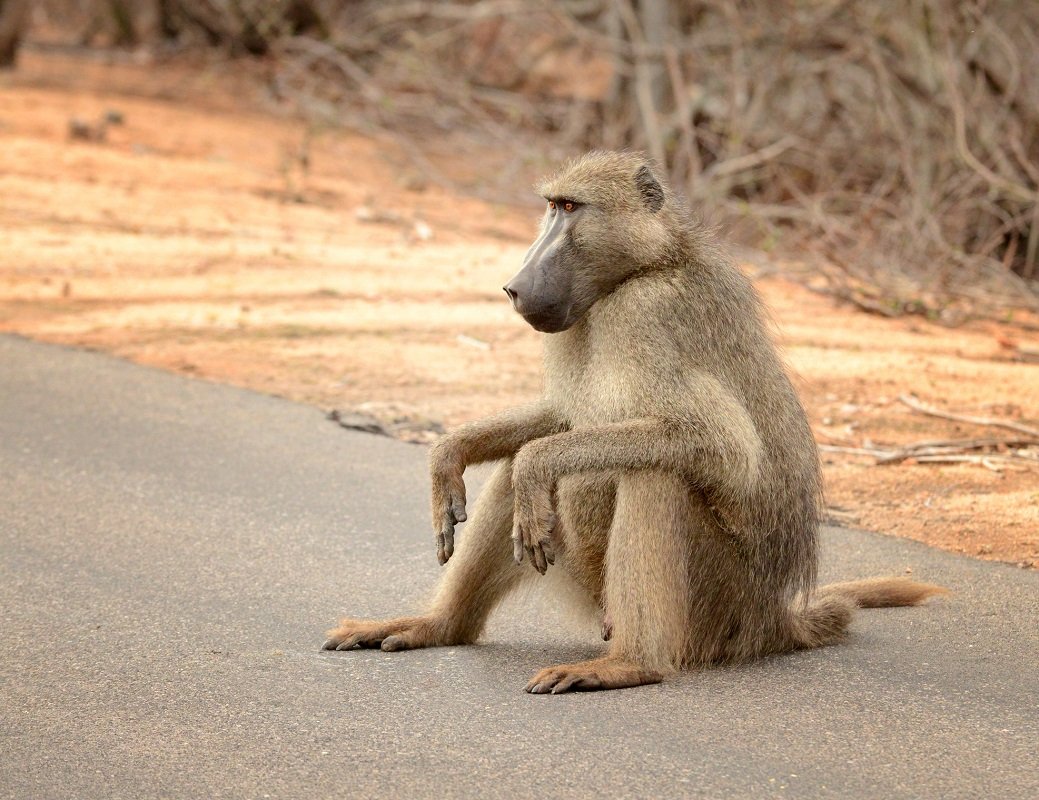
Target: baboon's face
x,y
598,230
547,291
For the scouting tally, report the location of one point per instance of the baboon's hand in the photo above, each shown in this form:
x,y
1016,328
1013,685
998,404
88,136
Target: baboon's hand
x,y
448,499
534,516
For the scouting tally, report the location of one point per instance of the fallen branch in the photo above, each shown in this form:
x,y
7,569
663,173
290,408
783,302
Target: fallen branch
x,y
948,451
988,462
916,405
933,450
854,451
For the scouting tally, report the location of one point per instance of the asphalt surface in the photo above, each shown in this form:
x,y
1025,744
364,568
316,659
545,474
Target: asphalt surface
x,y
172,551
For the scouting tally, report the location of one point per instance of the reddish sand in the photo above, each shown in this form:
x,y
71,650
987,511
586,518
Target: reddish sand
x,y
193,238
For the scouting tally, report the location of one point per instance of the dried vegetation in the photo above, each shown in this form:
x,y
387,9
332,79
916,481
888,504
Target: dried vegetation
x,y
890,147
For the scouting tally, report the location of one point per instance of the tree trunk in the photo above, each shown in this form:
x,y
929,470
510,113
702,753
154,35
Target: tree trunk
x,y
14,19
651,88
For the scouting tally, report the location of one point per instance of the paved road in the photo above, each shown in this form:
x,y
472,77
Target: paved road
x,y
173,550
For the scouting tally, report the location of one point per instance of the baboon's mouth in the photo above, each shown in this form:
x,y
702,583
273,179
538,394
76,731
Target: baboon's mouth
x,y
548,322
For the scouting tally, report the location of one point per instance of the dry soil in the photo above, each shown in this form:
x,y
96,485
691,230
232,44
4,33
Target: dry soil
x,y
215,235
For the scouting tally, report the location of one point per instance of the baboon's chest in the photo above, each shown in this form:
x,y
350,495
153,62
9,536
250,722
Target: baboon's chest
x,y
596,391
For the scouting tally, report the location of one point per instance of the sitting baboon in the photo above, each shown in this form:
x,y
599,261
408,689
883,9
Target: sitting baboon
x,y
668,468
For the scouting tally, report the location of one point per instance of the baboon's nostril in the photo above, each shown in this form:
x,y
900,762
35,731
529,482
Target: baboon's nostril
x,y
511,293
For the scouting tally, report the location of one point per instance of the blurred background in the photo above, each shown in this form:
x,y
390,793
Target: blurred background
x,y
321,199
899,141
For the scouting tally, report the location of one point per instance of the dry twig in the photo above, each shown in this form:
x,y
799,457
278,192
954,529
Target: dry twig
x,y
916,405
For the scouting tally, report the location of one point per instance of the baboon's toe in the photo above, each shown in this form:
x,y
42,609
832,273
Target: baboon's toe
x,y
599,673
403,633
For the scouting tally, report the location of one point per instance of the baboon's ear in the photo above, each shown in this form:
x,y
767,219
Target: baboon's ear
x,y
649,188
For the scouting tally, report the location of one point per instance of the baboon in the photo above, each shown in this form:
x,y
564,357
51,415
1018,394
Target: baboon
x,y
668,468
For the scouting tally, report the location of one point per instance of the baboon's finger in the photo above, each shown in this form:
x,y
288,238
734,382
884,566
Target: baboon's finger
x,y
531,549
517,548
458,508
538,559
449,543
445,544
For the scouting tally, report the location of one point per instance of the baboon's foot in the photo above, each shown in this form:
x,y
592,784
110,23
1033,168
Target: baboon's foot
x,y
402,633
600,673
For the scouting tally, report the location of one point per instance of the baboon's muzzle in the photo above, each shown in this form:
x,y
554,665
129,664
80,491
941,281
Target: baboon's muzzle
x,y
540,291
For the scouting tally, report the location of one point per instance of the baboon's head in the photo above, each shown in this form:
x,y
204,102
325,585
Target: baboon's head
x,y
608,217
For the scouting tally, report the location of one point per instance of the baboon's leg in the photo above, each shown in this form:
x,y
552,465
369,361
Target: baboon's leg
x,y
584,503
731,616
722,454
646,588
479,575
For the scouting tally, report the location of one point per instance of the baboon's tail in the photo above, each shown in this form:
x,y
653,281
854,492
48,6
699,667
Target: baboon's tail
x,y
882,592
826,617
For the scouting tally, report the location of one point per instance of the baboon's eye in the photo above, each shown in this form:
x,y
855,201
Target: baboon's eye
x,y
551,205
568,206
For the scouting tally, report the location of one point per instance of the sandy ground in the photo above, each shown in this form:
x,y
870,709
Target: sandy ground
x,y
196,237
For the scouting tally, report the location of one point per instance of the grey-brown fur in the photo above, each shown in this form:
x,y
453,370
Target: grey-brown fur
x,y
668,468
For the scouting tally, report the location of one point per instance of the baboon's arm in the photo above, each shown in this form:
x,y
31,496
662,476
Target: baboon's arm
x,y
495,437
489,439
719,451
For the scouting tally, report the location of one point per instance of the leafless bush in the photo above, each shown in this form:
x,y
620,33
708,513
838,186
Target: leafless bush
x,y
897,142
892,144
14,16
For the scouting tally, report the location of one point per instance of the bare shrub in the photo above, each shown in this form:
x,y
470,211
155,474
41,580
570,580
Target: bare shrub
x,y
892,145
14,17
